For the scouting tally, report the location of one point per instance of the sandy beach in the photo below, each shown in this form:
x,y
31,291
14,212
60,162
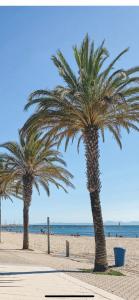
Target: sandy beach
x,y
81,257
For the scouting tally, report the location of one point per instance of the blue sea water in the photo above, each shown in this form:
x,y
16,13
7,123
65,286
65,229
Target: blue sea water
x,y
82,230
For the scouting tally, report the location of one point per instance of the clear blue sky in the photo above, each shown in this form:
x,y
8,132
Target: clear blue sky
x,y
28,38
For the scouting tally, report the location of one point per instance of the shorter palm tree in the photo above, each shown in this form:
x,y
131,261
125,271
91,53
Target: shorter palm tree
x,y
33,162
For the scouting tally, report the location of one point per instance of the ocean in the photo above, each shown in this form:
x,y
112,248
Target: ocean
x,y
82,230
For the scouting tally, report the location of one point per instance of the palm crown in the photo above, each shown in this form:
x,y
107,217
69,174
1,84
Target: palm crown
x,y
95,96
36,158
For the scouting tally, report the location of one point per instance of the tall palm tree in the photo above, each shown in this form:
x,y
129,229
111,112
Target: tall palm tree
x,y
92,99
34,161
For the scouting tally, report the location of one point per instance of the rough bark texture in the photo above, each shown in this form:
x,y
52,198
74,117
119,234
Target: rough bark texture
x,y
93,184
27,194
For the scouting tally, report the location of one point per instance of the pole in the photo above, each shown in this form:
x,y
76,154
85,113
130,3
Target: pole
x,y
67,248
48,235
0,220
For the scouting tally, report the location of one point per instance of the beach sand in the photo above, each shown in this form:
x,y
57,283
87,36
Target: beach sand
x,y
81,257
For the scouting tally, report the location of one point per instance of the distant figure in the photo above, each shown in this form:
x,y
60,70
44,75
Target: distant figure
x,y
77,234
42,231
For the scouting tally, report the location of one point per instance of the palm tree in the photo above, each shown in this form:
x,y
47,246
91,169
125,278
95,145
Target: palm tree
x,y
91,100
33,161
8,187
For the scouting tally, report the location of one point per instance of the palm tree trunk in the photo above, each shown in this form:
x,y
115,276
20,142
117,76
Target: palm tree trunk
x,y
27,194
93,181
25,224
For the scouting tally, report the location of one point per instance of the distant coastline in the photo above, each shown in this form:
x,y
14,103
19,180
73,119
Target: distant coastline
x,y
106,223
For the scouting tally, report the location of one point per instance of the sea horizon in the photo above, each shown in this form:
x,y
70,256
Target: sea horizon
x,y
77,229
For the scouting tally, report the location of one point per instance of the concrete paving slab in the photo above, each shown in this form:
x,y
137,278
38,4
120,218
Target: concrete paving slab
x,y
33,283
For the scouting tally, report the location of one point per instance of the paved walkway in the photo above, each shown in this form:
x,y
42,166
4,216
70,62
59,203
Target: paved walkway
x,y
30,283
